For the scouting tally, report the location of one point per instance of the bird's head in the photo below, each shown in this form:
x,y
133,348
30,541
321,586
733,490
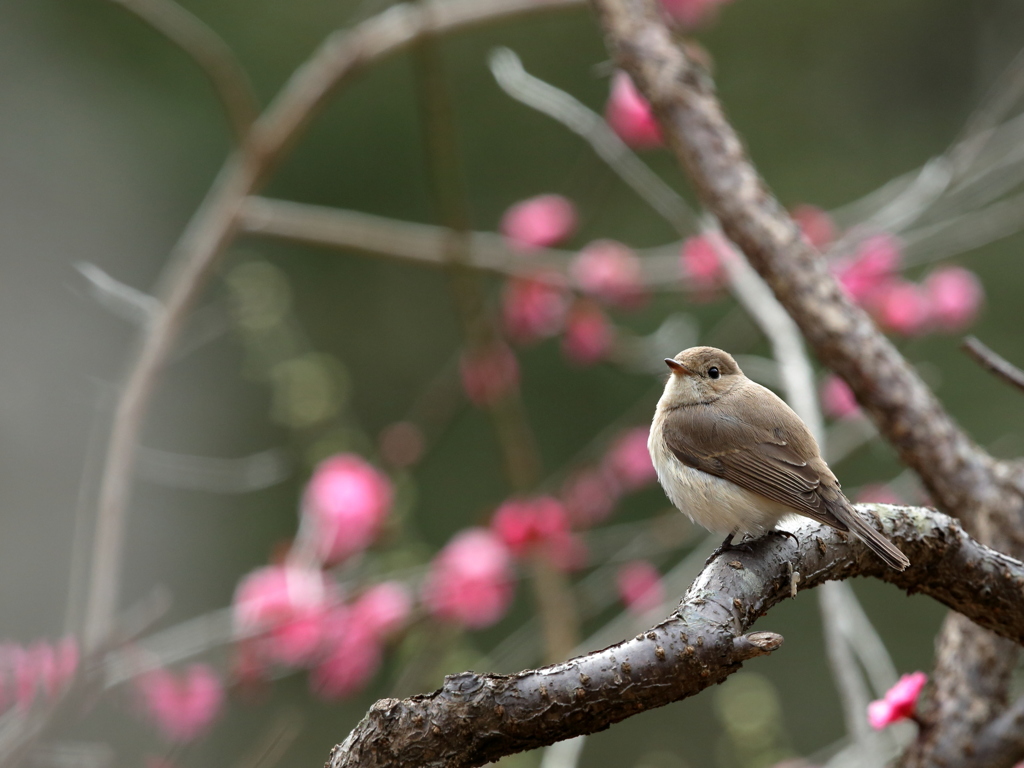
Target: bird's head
x,y
700,375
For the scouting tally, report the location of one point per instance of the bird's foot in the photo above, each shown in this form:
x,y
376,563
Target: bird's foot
x,y
787,534
728,546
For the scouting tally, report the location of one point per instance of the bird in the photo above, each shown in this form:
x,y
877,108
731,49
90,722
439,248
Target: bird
x,y
736,459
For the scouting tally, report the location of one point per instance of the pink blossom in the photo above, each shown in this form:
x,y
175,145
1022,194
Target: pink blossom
x,y
902,307
629,115
955,295
401,444
182,707
899,703
26,677
815,225
383,609
346,502
589,497
690,13
628,460
871,268
589,334
838,399
286,605
702,263
470,580
534,308
609,271
878,493
489,373
352,659
640,586
527,525
539,222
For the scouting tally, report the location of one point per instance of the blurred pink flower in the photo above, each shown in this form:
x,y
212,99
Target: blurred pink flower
x,y
383,609
899,703
353,656
902,307
346,502
878,493
589,334
41,668
538,524
630,116
539,222
955,295
609,271
628,460
589,497
489,374
871,268
702,263
401,444
815,225
690,13
533,308
470,580
286,605
640,586
182,707
837,399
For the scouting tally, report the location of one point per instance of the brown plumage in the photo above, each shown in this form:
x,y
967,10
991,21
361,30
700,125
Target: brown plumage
x,y
735,458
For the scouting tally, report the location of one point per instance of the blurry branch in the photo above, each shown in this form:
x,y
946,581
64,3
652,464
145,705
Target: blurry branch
x,y
210,52
508,71
128,303
993,362
342,56
215,474
476,718
973,667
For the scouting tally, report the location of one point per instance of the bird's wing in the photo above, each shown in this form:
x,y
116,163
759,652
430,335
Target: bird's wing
x,y
766,450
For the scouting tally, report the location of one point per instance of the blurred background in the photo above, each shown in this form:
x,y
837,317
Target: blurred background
x,y
109,139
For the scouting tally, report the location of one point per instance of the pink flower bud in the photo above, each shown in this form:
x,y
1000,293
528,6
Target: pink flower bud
x,y
815,225
589,334
383,609
525,525
837,399
182,707
352,659
629,462
287,606
470,580
902,307
533,309
702,263
899,703
872,267
630,116
489,374
401,444
878,493
589,497
345,503
955,295
539,222
609,271
640,586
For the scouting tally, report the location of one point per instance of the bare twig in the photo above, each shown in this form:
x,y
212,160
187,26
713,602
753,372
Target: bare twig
x,y
476,718
341,57
999,365
210,52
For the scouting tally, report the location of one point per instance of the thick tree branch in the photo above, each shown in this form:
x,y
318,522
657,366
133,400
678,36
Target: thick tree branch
x,y
476,718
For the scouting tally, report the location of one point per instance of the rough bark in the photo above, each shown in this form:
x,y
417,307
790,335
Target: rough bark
x,y
476,718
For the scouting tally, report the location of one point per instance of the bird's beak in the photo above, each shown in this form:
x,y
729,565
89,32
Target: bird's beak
x,y
677,367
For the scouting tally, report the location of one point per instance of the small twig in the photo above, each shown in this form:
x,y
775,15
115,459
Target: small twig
x,y
210,52
993,362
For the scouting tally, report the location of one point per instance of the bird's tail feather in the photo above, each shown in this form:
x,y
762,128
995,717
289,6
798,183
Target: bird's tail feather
x,y
876,542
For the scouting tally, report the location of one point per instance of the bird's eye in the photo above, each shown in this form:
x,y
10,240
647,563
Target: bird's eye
x,y
713,373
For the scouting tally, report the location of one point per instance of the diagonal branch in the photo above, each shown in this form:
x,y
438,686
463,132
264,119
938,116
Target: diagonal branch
x,y
993,362
477,718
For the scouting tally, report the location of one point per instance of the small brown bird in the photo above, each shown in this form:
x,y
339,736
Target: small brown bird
x,y
736,459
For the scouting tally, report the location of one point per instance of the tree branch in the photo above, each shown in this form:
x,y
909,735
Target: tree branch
x,y
993,362
476,718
